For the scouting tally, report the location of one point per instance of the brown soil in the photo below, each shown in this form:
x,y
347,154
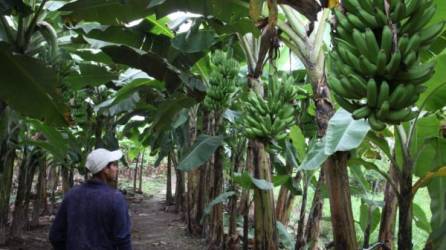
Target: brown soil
x,y
153,228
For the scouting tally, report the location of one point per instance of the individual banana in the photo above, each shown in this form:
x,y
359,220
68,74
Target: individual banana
x,y
399,11
411,7
405,100
366,66
361,43
368,19
372,93
346,104
420,19
355,92
413,44
351,5
416,74
397,96
387,40
428,35
403,42
393,65
398,115
359,84
410,58
379,4
381,62
356,22
362,112
338,88
375,123
372,44
343,22
342,33
367,5
381,17
383,110
383,95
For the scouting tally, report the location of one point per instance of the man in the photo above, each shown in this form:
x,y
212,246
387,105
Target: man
x,y
94,215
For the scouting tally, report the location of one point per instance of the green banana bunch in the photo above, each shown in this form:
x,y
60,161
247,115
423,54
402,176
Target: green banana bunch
x,y
268,118
376,72
222,81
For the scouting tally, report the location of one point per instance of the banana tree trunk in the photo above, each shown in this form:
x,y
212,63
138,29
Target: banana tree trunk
x,y
283,210
281,203
67,178
245,197
135,173
141,172
192,180
216,229
7,156
40,199
53,180
169,198
285,201
335,166
203,184
313,227
405,207
388,215
265,221
216,223
179,187
234,238
26,174
300,238
288,208
340,203
233,235
202,199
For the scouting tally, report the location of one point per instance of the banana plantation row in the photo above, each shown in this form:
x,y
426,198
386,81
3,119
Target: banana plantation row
x,y
262,110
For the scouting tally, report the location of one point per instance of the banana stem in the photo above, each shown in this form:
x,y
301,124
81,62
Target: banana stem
x,y
7,29
412,128
295,23
296,51
248,51
20,35
32,24
403,139
301,45
319,35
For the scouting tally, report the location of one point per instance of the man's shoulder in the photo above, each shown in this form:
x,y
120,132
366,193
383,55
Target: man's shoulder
x,y
118,195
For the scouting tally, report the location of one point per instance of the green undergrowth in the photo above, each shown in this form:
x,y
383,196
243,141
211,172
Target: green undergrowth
x,y
150,185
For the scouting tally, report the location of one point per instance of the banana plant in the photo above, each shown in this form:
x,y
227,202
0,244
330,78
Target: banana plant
x,y
31,42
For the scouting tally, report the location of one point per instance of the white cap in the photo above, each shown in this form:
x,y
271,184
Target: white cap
x,y
99,158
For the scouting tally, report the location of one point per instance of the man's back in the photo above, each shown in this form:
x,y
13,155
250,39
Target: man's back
x,y
92,216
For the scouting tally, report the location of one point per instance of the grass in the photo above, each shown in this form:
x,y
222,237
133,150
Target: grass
x,y
151,185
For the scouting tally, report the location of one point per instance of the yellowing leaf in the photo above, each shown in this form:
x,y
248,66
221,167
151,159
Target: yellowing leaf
x,y
424,181
333,3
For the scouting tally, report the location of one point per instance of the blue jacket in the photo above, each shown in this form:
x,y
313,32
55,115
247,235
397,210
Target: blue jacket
x,y
92,216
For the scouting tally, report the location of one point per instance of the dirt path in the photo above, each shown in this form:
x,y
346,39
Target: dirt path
x,y
152,228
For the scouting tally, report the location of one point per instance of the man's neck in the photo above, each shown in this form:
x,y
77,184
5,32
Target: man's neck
x,y
102,178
